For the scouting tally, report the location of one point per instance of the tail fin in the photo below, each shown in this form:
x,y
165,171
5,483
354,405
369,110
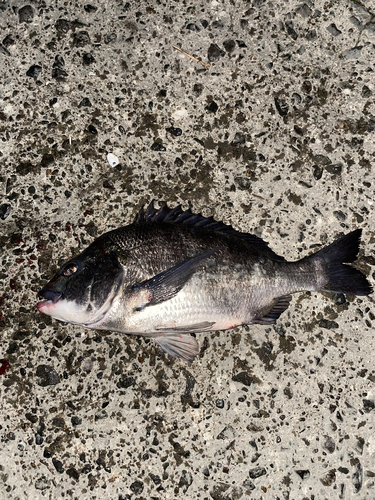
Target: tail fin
x,y
343,278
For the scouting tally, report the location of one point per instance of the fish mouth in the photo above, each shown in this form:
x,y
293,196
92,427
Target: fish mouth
x,y
49,297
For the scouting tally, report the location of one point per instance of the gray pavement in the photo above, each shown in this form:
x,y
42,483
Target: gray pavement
x,y
274,134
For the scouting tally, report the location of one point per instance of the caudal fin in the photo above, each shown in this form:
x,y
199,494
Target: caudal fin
x,y
341,277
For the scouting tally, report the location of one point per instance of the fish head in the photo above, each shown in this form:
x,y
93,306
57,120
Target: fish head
x,y
83,290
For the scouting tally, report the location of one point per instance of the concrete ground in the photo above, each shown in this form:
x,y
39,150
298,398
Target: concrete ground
x,y
272,131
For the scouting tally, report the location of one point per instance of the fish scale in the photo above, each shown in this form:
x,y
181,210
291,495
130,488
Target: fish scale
x,y
172,272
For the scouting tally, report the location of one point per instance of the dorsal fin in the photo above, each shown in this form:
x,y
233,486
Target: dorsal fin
x,y
177,215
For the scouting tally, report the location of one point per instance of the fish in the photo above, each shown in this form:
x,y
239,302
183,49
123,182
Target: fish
x,y
172,273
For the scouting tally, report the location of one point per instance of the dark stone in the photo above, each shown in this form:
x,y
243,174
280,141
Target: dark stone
x,y
212,107
239,138
34,71
31,417
219,403
137,487
193,27
217,24
92,130
368,405
38,439
4,50
218,491
329,325
47,159
290,30
333,30
158,146
244,378
174,131
317,172
267,348
185,480
26,14
214,52
4,211
366,92
85,102
109,38
58,422
76,420
86,469
155,478
197,88
90,8
304,10
8,40
303,474
329,444
62,26
281,106
81,38
339,215
257,472
25,168
243,183
58,66
47,376
124,383
73,473
343,470
88,58
329,478
58,465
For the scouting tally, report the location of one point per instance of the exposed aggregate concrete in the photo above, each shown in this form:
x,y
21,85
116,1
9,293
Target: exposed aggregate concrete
x,y
276,137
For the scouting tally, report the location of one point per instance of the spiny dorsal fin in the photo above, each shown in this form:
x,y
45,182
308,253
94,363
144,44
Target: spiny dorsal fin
x,y
177,215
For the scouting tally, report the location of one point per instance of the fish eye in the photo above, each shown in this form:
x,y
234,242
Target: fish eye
x,y
70,269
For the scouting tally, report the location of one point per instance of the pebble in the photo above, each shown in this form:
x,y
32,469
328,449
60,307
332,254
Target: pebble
x,y
214,52
257,472
34,71
112,160
47,376
58,465
26,14
4,210
137,487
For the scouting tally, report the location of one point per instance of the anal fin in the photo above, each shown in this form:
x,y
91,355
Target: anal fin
x,y
180,346
280,306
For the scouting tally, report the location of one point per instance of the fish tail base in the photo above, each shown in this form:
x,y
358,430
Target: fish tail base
x,y
343,278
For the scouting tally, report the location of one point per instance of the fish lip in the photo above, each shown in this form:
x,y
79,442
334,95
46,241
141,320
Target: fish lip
x,y
43,303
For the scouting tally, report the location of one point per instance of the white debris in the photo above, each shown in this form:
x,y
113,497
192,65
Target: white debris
x,y
112,159
179,114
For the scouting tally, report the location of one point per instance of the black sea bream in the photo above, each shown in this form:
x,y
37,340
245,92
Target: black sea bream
x,y
172,273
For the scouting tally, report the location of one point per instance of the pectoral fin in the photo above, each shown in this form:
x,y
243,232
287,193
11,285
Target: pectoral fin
x,y
167,284
180,346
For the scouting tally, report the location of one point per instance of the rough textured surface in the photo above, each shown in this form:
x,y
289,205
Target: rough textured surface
x,y
277,138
